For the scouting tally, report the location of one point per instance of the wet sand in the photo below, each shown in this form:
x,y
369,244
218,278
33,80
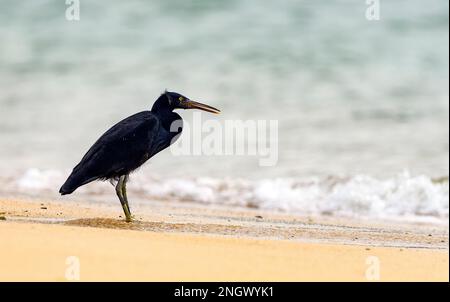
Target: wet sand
x,y
185,242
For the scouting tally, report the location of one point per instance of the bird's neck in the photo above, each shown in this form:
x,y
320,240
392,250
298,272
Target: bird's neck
x,y
170,121
162,105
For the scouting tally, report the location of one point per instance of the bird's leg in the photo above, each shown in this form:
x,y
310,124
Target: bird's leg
x,y
119,191
124,194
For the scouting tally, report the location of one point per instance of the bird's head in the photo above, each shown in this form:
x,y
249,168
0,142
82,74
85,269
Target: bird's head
x,y
172,100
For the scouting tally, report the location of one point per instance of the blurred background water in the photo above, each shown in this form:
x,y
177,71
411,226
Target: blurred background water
x,y
351,95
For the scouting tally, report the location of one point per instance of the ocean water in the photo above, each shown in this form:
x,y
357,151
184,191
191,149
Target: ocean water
x,y
362,106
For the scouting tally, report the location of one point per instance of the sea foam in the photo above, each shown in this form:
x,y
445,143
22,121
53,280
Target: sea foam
x,y
403,197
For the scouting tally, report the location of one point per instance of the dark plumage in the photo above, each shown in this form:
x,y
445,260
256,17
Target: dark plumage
x,y
130,143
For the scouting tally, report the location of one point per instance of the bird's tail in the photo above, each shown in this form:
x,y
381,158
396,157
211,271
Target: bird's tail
x,y
75,181
72,183
68,187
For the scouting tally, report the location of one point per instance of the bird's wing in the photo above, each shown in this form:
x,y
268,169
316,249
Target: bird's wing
x,y
122,148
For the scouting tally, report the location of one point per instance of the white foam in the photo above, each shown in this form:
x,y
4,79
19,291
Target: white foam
x,y
38,180
416,198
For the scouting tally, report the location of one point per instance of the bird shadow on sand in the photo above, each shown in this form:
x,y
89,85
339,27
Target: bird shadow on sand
x,y
105,223
154,226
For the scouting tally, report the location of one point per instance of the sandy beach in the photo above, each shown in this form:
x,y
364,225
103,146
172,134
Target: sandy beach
x,y
183,242
254,141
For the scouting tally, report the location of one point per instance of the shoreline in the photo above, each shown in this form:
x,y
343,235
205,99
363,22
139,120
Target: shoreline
x,y
173,242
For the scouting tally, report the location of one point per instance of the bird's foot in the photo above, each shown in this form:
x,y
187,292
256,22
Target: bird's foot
x,y
127,212
130,218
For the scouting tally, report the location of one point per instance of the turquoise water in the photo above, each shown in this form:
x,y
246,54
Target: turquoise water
x,y
351,96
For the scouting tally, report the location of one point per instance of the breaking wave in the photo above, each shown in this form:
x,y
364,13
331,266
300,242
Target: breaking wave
x,y
403,197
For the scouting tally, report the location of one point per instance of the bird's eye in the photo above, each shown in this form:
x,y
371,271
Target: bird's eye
x,y
181,98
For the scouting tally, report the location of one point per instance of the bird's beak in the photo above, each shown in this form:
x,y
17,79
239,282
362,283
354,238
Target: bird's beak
x,y
196,105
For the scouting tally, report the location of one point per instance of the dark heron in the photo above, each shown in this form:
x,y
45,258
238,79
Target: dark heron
x,y
130,143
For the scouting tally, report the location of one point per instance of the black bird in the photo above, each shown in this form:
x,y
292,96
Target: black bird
x,y
130,143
